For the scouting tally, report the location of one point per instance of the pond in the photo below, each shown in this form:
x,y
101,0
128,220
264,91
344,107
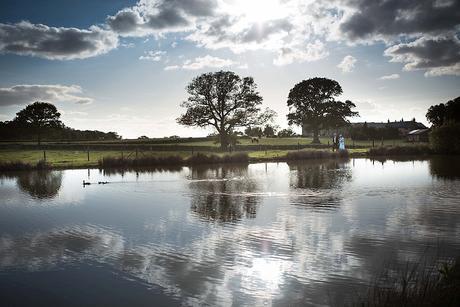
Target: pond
x,y
311,233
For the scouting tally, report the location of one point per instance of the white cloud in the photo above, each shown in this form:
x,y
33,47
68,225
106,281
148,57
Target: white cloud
x,y
207,61
154,56
24,94
313,52
390,77
347,64
172,67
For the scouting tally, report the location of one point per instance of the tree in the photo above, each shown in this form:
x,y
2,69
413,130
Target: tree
x,y
253,132
442,113
39,116
285,133
270,131
225,101
312,103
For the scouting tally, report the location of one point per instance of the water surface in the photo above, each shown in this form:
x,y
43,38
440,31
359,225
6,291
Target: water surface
x,y
312,233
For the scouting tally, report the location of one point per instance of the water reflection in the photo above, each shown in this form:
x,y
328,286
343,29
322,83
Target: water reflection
x,y
224,194
231,235
447,167
38,184
317,184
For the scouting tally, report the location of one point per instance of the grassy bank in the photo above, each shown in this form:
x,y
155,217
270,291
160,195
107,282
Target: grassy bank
x,y
61,159
14,158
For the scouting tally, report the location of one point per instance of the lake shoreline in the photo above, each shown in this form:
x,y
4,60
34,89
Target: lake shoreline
x,y
208,159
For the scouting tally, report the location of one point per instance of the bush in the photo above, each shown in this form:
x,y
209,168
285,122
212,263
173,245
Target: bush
x,y
23,166
315,154
446,139
400,150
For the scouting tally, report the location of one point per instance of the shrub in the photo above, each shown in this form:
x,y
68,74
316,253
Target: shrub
x,y
315,154
446,139
400,150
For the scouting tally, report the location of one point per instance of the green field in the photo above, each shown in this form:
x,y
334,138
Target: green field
x,y
213,143
79,158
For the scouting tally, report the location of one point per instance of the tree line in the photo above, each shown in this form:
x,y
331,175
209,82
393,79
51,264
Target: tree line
x,y
41,118
231,104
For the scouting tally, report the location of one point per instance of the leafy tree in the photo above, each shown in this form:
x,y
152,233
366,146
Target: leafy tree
x,y
253,131
442,113
39,116
312,103
225,101
269,131
285,133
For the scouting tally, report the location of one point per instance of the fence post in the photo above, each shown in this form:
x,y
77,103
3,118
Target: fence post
x,y
298,146
87,153
44,155
373,143
382,140
136,153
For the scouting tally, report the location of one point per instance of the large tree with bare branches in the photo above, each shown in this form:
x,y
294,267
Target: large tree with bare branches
x,y
225,101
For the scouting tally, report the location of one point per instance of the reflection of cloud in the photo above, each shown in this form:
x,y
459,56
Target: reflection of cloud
x,y
39,250
284,255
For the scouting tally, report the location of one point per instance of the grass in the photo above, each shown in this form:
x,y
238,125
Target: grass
x,y
209,142
419,284
66,158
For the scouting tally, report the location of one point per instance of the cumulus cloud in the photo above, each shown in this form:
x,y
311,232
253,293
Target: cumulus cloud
x,y
24,94
25,38
312,52
437,55
154,56
390,77
347,64
387,19
160,16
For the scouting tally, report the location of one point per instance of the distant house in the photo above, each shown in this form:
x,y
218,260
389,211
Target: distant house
x,y
418,135
404,127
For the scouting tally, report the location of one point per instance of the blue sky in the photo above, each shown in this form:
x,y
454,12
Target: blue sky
x,y
123,65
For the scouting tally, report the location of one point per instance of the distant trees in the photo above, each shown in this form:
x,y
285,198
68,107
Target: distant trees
x,y
371,133
312,103
253,132
285,133
443,113
39,116
224,101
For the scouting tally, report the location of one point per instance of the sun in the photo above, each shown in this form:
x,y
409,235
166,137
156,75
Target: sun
x,y
256,11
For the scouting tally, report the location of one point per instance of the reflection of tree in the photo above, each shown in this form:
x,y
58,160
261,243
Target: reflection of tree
x,y
317,183
445,167
223,194
40,184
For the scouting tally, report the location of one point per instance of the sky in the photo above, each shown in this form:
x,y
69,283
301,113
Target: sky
x,y
124,65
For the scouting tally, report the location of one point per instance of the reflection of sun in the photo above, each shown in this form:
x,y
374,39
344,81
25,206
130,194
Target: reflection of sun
x,y
267,270
264,276
255,10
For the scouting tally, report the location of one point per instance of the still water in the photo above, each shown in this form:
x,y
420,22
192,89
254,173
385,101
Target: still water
x,y
310,233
